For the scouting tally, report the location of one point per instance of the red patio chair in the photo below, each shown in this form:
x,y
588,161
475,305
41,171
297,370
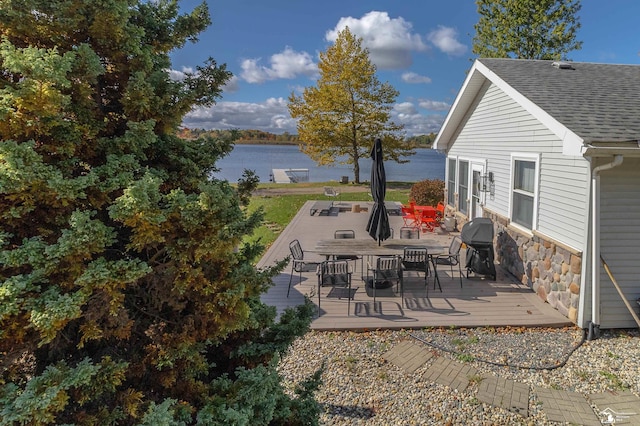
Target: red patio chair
x,y
408,216
428,220
440,210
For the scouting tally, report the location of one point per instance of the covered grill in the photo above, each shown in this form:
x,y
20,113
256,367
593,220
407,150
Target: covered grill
x,y
477,234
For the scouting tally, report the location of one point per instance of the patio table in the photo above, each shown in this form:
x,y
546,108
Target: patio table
x,y
369,247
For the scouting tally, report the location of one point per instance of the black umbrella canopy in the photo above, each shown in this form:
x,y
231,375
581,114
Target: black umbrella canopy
x,y
378,225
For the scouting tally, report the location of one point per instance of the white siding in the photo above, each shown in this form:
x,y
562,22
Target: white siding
x,y
620,242
498,127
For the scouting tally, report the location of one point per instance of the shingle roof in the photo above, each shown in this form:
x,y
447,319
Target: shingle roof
x,y
598,102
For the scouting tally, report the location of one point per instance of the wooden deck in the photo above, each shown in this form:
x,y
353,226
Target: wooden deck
x,y
480,302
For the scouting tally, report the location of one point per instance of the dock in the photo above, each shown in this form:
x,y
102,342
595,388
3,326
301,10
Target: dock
x,y
289,175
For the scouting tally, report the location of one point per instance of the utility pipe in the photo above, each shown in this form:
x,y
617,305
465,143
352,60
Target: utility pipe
x,y
594,326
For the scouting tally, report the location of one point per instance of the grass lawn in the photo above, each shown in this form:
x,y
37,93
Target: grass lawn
x,y
281,202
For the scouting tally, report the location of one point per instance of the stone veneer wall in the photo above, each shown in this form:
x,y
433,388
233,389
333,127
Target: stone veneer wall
x,y
551,270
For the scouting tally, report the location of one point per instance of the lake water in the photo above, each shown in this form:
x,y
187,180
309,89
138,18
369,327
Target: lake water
x,y
425,164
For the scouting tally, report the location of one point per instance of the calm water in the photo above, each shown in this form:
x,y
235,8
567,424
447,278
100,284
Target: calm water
x,y
426,164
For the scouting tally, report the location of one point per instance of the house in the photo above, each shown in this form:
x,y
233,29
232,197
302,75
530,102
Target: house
x,y
550,151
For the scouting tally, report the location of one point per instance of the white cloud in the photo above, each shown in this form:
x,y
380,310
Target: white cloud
x,y
404,108
286,64
390,41
271,115
413,78
407,114
446,39
434,105
232,85
179,75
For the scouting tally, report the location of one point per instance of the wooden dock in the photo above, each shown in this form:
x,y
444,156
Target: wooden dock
x,y
289,175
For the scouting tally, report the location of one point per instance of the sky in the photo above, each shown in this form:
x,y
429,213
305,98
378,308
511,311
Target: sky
x,y
421,47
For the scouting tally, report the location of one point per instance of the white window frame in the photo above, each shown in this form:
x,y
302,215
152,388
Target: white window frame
x,y
528,157
467,184
452,191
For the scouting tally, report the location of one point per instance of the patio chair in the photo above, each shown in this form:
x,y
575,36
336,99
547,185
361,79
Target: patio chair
x,y
331,192
428,220
416,259
451,258
345,234
337,274
388,270
298,262
408,215
410,233
440,211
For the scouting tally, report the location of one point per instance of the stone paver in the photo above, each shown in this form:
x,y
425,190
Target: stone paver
x,y
408,356
505,393
450,373
558,405
617,407
563,406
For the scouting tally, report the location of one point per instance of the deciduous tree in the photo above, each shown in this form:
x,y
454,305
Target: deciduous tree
x,y
527,29
341,116
127,295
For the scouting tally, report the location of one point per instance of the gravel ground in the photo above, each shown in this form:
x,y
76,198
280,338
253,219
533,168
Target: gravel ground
x,y
361,388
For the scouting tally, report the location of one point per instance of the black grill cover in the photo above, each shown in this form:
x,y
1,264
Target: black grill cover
x,y
478,236
478,232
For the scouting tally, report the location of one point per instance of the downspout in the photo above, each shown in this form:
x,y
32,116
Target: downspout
x,y
594,325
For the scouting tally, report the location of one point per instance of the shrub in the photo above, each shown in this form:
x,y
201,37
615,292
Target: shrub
x,y
127,293
428,192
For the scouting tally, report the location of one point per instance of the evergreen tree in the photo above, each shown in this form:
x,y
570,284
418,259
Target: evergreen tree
x,y
527,29
348,109
127,295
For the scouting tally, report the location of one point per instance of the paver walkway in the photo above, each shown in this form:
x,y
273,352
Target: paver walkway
x,y
505,393
558,405
450,373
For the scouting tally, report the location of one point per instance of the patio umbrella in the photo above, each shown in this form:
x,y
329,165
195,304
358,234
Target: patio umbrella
x,y
378,225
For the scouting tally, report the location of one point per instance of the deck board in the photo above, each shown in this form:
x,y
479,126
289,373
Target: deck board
x,y
480,302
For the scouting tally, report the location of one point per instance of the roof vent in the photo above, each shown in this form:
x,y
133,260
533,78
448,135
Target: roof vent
x,y
563,65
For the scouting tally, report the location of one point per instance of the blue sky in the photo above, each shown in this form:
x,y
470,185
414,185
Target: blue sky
x,y
422,48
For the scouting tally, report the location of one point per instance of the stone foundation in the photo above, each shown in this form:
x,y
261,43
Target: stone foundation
x,y
549,269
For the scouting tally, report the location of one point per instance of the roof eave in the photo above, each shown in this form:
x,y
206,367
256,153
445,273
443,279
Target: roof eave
x,y
608,149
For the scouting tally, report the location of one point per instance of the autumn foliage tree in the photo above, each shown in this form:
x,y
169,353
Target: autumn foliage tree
x,y
527,29
349,107
127,295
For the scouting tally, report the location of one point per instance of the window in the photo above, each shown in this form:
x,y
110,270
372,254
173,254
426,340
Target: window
x,y
463,187
451,182
523,192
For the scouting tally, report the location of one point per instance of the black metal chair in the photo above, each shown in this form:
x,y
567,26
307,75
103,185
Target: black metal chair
x,y
337,274
410,233
345,234
451,258
416,259
298,262
388,269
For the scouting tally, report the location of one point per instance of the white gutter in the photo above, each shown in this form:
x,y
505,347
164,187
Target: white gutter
x,y
594,327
